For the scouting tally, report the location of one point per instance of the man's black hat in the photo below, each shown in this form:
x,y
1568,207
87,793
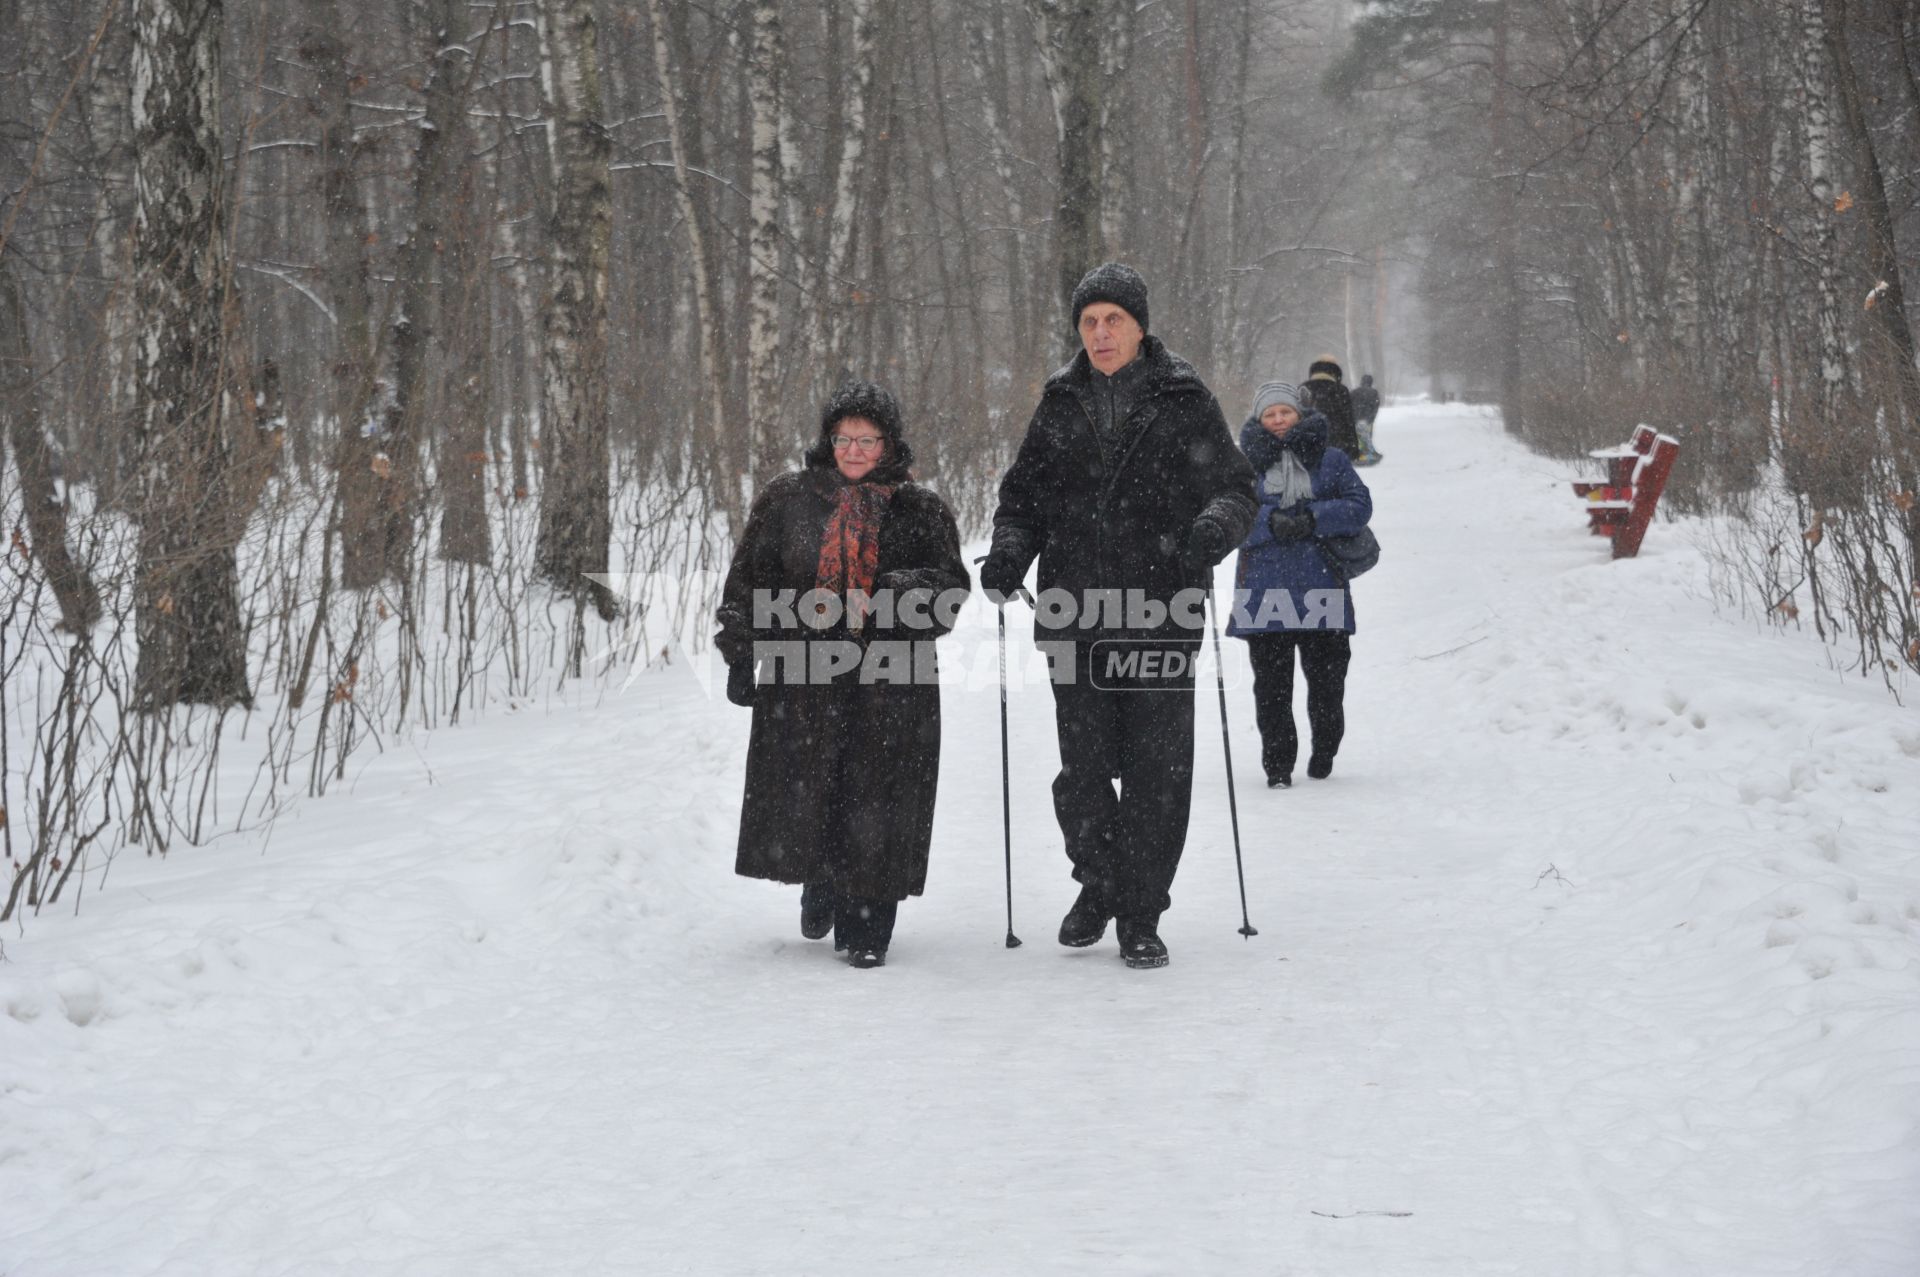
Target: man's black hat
x,y
1117,284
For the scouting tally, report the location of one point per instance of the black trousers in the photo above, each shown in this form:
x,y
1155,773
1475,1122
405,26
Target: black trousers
x,y
864,924
1127,845
1324,656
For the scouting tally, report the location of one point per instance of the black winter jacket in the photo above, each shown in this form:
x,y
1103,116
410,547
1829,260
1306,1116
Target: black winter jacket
x,y
1119,518
1335,402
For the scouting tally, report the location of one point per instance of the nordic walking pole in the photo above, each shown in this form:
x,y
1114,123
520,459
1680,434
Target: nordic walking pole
x,y
1226,745
1006,785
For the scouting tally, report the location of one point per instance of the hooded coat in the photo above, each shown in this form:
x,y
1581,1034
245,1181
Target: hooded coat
x,y
1335,402
1366,400
1115,514
841,774
1341,506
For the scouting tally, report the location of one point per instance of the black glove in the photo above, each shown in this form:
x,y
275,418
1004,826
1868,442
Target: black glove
x,y
1290,527
1206,545
740,685
1000,578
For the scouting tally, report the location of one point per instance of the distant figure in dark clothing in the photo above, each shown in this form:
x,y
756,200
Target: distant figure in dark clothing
x,y
1366,406
1366,401
1332,401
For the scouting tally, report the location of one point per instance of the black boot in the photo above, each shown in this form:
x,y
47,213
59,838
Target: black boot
x,y
1086,922
1279,780
816,910
1140,944
864,928
1320,766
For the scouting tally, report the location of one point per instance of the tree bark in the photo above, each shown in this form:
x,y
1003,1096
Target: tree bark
x,y
1507,229
191,634
1070,42
836,300
576,527
769,448
728,448
1815,85
358,458
46,513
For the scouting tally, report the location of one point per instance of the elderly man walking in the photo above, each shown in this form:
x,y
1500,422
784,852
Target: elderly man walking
x,y
1129,489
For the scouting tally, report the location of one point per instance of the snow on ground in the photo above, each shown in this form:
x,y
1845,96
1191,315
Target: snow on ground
x,y
1598,954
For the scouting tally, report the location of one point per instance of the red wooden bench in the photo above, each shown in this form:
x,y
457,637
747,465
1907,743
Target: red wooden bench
x,y
1622,506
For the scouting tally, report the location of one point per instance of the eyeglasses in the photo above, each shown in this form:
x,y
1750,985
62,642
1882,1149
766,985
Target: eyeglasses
x,y
861,443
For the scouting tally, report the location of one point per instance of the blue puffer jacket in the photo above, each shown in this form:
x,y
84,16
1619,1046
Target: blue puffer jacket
x,y
1289,586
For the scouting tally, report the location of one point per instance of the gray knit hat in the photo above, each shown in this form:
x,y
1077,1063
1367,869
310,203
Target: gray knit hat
x,y
1116,283
1273,392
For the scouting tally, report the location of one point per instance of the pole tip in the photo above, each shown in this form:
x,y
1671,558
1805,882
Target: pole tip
x,y
1013,941
1249,931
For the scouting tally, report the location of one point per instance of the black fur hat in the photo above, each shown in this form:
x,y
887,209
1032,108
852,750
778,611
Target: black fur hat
x,y
1325,368
856,398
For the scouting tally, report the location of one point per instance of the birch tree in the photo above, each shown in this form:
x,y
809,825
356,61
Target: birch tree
x,y
763,322
1072,36
192,636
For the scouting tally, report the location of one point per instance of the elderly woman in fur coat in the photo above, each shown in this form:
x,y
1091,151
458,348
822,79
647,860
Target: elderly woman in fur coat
x,y
845,575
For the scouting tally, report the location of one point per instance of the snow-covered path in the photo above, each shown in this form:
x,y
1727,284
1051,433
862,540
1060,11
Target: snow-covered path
x,y
1599,954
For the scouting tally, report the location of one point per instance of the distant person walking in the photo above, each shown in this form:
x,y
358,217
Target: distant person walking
x,y
1330,396
845,575
1288,595
1129,490
1366,407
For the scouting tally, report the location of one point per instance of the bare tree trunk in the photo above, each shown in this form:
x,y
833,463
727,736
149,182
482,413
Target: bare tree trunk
x,y
1815,85
575,514
1507,186
1118,160
763,322
989,80
191,634
359,463
110,134
46,514
1688,240
1070,41
728,449
1883,249
443,184
1236,335
466,309
1895,358
835,301
1195,229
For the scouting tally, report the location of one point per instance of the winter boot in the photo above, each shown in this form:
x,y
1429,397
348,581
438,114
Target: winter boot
x,y
866,959
1140,943
1279,780
1086,922
816,910
1320,766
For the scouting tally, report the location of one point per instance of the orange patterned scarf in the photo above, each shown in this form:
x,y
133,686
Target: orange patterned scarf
x,y
850,550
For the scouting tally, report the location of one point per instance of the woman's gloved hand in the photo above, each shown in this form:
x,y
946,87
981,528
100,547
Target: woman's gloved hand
x,y
1295,526
740,685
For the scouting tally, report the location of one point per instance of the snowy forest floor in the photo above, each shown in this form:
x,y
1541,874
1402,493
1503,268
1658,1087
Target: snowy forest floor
x,y
1598,954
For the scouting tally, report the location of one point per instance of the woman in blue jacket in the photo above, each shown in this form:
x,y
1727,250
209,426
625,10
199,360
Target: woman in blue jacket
x,y
1289,596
